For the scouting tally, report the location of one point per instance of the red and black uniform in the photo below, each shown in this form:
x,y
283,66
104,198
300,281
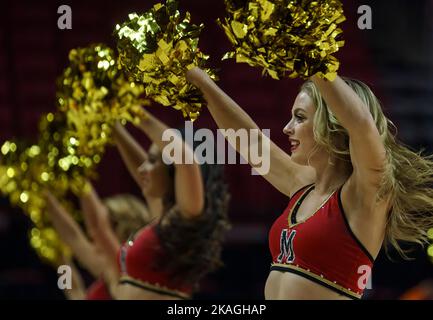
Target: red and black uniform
x,y
323,248
98,291
138,265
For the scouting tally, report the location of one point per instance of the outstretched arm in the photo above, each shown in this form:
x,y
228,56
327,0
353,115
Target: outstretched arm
x,y
78,290
285,175
71,233
367,150
189,189
132,153
97,220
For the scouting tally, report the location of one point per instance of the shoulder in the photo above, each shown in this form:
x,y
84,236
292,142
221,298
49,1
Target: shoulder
x,y
174,219
144,236
355,197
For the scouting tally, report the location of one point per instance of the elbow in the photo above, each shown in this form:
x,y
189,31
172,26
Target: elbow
x,y
192,209
362,124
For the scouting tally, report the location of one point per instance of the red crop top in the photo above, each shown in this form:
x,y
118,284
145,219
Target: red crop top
x,y
137,264
323,248
98,291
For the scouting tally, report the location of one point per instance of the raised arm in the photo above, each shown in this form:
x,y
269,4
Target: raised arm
x,y
71,233
189,189
284,174
97,220
78,290
132,153
367,150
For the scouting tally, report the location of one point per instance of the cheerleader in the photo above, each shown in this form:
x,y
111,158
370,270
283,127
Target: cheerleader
x,y
166,259
120,215
351,188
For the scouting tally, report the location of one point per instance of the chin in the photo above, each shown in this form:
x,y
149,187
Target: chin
x,y
146,189
299,160
155,193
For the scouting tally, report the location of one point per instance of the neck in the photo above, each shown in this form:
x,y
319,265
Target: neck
x,y
155,206
330,175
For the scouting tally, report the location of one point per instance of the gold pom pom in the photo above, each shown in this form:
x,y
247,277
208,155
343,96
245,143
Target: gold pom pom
x,y
156,49
94,94
24,174
294,38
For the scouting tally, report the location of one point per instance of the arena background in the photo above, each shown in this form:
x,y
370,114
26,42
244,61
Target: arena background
x,y
395,58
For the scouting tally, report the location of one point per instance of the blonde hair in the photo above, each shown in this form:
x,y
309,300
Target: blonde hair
x,y
127,214
408,177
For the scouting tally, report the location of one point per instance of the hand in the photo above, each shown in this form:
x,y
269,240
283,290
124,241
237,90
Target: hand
x,y
95,212
51,202
197,76
117,128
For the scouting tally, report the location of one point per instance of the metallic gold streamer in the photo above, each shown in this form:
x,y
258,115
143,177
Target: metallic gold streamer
x,y
294,38
93,94
53,163
156,49
24,174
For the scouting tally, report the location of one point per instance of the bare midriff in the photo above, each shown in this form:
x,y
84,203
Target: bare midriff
x,y
290,286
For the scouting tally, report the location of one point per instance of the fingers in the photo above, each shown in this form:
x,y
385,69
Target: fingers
x,y
50,198
87,190
53,205
193,75
117,128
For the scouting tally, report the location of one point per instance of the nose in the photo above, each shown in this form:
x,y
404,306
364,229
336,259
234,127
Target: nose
x,y
144,168
288,129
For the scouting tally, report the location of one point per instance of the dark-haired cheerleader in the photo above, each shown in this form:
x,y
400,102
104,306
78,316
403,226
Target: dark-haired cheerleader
x,y
168,258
